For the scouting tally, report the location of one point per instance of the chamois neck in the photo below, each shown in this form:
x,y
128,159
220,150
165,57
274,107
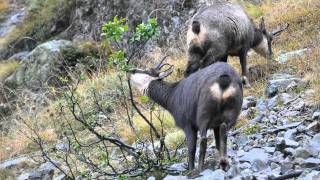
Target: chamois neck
x,y
258,37
160,92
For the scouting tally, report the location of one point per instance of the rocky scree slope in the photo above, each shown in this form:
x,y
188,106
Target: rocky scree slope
x,y
281,139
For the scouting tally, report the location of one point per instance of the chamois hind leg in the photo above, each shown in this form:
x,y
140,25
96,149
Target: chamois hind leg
x,y
203,147
191,135
223,146
217,137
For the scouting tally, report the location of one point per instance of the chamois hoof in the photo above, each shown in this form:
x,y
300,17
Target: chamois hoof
x,y
224,164
245,82
194,173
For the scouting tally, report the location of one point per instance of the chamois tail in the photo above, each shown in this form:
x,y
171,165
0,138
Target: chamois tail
x,y
224,81
196,27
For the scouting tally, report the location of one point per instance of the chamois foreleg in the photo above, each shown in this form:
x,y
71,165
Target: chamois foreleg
x,y
203,146
243,63
191,135
217,137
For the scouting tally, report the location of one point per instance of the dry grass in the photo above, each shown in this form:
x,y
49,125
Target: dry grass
x,y
3,5
28,114
161,119
7,69
18,141
313,76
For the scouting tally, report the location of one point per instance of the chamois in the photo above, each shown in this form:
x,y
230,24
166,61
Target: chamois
x,y
224,29
210,98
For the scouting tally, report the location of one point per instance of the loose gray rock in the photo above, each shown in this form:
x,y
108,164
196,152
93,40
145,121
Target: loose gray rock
x,y
284,127
4,109
284,56
151,178
307,175
258,165
247,113
60,177
299,106
289,134
248,102
47,168
309,163
283,143
13,20
170,177
290,113
289,151
286,167
234,171
241,140
31,175
245,165
255,153
270,149
212,175
316,115
21,56
279,82
62,147
274,165
285,98
315,142
272,102
44,64
314,126
14,162
302,152
178,167
262,106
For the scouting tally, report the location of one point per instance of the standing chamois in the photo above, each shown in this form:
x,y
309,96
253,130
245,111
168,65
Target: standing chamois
x,y
210,98
224,29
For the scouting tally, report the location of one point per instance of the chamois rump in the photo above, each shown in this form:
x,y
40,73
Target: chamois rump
x,y
224,29
210,98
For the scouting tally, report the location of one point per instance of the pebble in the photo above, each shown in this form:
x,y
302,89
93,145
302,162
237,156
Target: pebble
x,y
255,153
316,115
212,175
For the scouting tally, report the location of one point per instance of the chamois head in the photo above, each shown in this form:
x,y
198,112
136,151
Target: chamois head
x,y
264,47
141,79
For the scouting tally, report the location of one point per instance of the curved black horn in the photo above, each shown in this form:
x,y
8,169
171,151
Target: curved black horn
x,y
166,72
279,30
160,65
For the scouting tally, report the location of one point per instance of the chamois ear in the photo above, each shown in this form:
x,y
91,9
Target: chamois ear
x,y
166,72
262,25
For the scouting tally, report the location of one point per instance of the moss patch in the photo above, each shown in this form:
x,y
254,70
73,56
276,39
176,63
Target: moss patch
x,y
7,69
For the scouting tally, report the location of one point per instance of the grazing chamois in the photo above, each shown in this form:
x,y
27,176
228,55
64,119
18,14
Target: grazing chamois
x,y
224,29
210,98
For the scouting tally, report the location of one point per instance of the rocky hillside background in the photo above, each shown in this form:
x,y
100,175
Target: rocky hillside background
x,y
62,104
